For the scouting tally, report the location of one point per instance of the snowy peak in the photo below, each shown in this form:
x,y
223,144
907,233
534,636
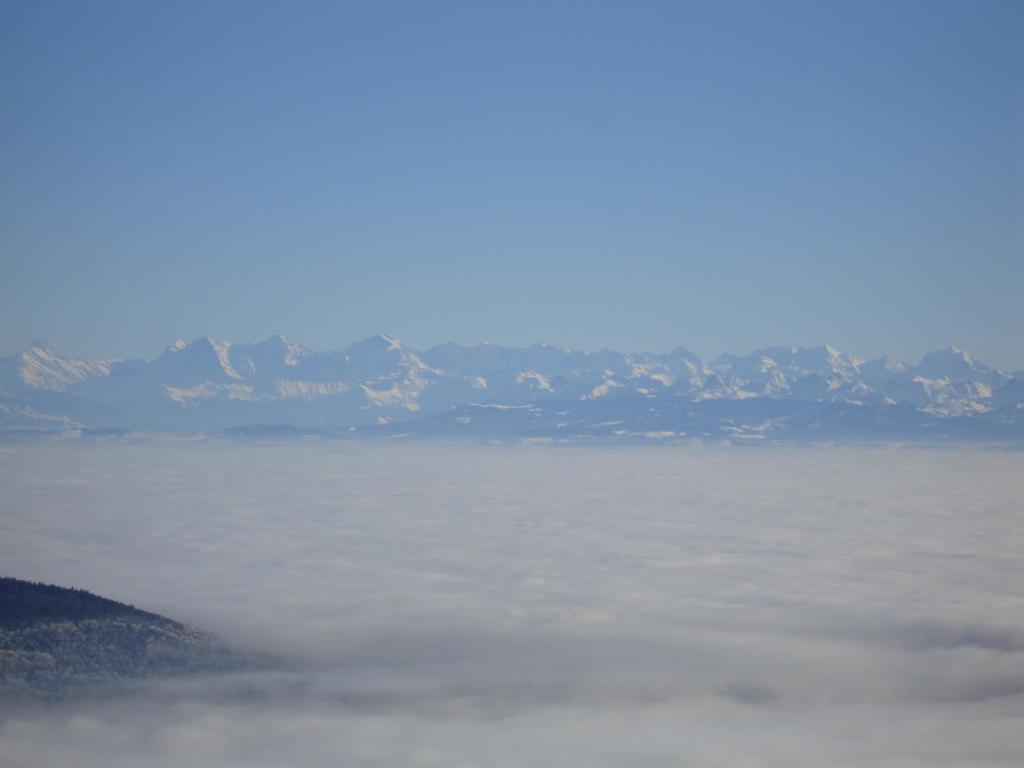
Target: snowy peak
x,y
206,365
274,358
827,361
882,368
290,352
546,360
949,363
953,365
372,359
682,354
39,367
374,345
38,346
378,345
773,371
203,359
210,384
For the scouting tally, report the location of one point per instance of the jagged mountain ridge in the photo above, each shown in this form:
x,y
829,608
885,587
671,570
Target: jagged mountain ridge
x,y
210,385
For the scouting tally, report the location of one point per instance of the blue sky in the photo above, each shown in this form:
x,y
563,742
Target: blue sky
x,y
638,175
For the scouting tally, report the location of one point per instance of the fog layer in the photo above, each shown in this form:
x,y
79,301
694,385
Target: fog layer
x,y
532,606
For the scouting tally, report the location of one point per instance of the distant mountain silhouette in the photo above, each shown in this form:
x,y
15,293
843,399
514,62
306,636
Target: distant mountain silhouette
x,y
279,388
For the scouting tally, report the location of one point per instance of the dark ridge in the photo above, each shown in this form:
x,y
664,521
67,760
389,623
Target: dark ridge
x,y
23,603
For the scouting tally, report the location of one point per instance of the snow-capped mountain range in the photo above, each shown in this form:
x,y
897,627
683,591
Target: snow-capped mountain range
x,y
378,386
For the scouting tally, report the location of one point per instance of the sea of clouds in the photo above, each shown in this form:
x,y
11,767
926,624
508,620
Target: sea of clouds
x,y
438,605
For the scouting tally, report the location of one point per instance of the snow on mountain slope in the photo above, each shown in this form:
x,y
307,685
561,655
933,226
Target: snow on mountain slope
x,y
545,359
882,369
39,367
273,359
773,371
954,364
205,359
210,385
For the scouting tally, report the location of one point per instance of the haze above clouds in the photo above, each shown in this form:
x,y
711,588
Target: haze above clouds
x,y
538,606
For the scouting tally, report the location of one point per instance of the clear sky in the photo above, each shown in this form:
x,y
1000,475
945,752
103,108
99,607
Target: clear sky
x,y
637,175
